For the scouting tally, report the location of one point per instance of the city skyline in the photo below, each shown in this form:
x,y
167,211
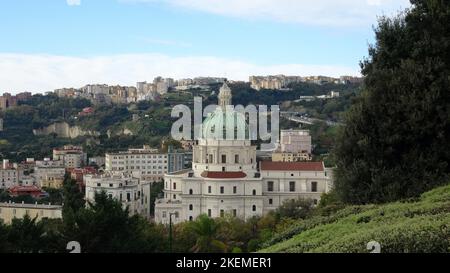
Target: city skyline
x,y
125,41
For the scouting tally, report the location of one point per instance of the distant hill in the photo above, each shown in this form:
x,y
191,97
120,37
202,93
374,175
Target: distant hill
x,y
43,122
420,225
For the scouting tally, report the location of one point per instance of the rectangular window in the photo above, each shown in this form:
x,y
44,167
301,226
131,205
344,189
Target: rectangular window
x,y
234,212
314,186
234,189
292,186
210,159
128,197
224,158
270,186
174,186
236,159
222,190
222,213
209,189
209,212
270,201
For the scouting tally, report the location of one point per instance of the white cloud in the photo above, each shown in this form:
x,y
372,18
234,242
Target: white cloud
x,y
40,73
73,2
165,42
318,12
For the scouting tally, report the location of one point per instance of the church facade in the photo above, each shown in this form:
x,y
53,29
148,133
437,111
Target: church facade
x,y
226,179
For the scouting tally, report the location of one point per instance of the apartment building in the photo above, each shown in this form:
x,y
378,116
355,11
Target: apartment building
x,y
123,187
49,173
71,156
146,163
9,176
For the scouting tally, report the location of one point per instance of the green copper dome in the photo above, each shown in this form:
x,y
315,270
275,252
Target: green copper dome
x,y
233,124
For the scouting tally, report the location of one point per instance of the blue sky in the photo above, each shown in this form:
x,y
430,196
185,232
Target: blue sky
x,y
49,44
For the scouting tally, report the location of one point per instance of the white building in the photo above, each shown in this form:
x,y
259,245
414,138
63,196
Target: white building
x,y
97,160
295,141
295,145
146,163
162,88
71,156
225,178
122,187
27,180
95,89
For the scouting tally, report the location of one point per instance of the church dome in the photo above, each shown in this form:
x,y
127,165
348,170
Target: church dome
x,y
233,124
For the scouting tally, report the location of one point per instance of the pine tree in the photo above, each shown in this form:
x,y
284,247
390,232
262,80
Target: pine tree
x,y
396,142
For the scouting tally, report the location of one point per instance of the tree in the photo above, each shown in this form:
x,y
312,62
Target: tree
x,y
205,229
295,208
233,232
4,245
26,235
73,198
395,141
156,191
105,227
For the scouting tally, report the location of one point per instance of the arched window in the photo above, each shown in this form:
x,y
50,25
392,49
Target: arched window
x,y
191,192
254,208
254,192
190,218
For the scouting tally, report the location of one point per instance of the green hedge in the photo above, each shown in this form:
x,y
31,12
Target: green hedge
x,y
420,226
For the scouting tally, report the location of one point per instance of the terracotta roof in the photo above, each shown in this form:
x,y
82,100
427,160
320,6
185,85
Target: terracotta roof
x,y
291,166
85,170
223,175
25,189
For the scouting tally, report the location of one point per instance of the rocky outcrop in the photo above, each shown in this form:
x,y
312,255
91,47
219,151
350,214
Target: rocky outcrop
x,y
120,132
63,129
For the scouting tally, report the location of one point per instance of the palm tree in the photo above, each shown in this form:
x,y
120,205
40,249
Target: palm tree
x,y
206,229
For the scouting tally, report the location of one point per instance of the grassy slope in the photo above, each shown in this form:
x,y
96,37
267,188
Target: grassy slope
x,y
421,225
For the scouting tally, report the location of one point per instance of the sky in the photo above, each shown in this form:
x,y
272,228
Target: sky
x,y
49,44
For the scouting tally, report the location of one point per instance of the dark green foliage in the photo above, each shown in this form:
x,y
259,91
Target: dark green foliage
x,y
205,230
26,235
396,140
105,227
17,139
401,227
295,208
102,227
55,197
73,197
3,238
244,95
156,191
104,117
